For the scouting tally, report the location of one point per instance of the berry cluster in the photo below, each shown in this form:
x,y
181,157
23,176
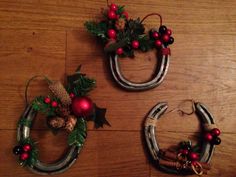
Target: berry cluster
x,y
213,136
53,103
186,151
23,151
162,37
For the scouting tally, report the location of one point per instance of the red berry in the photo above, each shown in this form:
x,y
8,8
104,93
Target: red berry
x,y
54,104
215,132
208,137
72,95
158,43
27,147
135,44
125,14
155,35
47,100
111,33
119,51
193,156
24,156
113,7
185,152
111,14
169,32
165,38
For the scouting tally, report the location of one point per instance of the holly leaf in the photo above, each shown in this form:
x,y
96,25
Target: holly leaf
x,y
99,117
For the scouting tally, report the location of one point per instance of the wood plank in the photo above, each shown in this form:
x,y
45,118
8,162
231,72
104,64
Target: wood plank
x,y
221,163
105,154
195,17
201,70
23,54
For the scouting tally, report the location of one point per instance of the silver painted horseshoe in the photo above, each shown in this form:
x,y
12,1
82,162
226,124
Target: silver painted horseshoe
x,y
41,168
150,133
160,73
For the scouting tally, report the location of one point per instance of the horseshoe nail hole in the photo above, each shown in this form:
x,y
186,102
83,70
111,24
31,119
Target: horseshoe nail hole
x,y
141,68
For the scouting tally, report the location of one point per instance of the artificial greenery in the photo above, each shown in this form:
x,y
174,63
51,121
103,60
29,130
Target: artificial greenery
x,y
25,122
33,153
78,135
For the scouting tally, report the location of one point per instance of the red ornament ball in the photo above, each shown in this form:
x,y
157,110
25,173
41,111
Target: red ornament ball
x,y
193,156
113,7
158,43
215,132
111,33
125,14
208,137
155,35
27,148
135,44
169,32
72,95
24,156
165,38
119,51
82,106
185,152
54,104
111,14
47,100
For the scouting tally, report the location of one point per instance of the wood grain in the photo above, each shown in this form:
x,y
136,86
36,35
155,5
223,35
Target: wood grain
x,y
48,37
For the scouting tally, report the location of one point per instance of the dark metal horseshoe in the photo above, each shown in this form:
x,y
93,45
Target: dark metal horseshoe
x,y
150,133
160,73
41,168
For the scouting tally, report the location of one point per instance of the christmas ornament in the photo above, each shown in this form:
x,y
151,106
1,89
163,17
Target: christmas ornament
x,y
67,108
187,158
123,36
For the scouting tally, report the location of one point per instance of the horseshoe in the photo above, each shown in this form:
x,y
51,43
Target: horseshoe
x,y
160,73
39,167
205,118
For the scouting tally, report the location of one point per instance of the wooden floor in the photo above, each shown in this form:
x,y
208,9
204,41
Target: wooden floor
x,y
48,37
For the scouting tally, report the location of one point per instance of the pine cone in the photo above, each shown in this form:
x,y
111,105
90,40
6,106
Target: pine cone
x,y
64,111
71,122
120,24
56,122
60,92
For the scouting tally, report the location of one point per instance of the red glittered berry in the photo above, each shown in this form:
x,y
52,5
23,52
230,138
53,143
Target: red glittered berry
x,y
72,95
155,35
27,148
54,104
208,137
111,15
119,51
185,152
24,156
158,43
135,44
168,32
125,14
165,38
47,100
215,132
113,7
111,33
193,156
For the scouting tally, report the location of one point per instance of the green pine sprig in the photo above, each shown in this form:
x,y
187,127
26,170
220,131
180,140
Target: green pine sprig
x,y
25,122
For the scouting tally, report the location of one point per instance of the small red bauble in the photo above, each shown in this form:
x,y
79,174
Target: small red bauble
x,y
54,104
208,137
215,132
72,95
47,100
24,156
113,7
169,32
111,14
82,106
119,51
111,33
185,152
158,43
27,147
125,14
155,35
165,38
135,44
193,156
